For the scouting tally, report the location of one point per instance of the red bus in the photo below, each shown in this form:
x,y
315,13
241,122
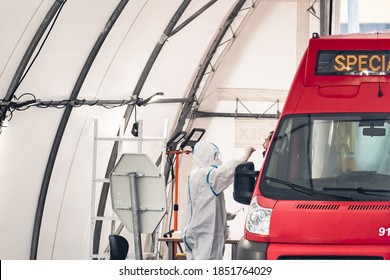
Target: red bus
x,y
323,191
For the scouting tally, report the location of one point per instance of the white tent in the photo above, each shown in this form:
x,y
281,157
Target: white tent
x,y
65,64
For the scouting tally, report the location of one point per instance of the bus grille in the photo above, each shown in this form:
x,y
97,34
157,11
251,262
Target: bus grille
x,y
335,207
382,207
306,206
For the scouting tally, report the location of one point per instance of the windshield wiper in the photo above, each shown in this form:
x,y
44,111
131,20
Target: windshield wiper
x,y
304,190
361,190
292,186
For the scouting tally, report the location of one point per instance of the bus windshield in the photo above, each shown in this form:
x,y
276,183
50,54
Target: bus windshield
x,y
329,157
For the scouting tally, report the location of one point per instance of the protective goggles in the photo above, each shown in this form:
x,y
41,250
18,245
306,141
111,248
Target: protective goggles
x,y
217,156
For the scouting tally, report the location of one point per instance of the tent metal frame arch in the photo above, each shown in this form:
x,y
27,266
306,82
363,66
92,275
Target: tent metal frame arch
x,y
63,123
187,111
114,153
187,107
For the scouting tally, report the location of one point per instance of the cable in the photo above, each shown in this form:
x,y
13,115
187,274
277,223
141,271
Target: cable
x,y
108,104
21,106
43,43
172,163
135,114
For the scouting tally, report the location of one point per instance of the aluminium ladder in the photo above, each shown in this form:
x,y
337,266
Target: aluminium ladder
x,y
95,181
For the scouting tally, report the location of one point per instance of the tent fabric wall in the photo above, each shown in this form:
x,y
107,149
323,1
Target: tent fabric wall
x,y
25,144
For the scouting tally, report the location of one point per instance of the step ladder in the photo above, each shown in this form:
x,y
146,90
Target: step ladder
x,y
99,181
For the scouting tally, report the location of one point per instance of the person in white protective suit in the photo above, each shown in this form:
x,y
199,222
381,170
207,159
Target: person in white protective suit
x,y
205,216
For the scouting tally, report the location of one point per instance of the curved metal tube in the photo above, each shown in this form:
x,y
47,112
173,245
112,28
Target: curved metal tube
x,y
127,114
158,47
186,109
62,126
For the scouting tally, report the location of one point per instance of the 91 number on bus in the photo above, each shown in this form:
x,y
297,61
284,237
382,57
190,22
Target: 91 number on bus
x,y
384,231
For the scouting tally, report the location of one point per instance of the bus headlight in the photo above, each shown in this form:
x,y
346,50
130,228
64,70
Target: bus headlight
x,y
258,218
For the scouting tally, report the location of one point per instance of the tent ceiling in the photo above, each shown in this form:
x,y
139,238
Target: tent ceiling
x,y
110,50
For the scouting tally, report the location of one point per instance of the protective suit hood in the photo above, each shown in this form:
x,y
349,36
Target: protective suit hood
x,y
206,154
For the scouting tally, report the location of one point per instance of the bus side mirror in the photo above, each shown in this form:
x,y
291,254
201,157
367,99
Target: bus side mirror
x,y
244,182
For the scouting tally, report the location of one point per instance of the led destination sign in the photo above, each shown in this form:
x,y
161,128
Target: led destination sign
x,y
353,62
